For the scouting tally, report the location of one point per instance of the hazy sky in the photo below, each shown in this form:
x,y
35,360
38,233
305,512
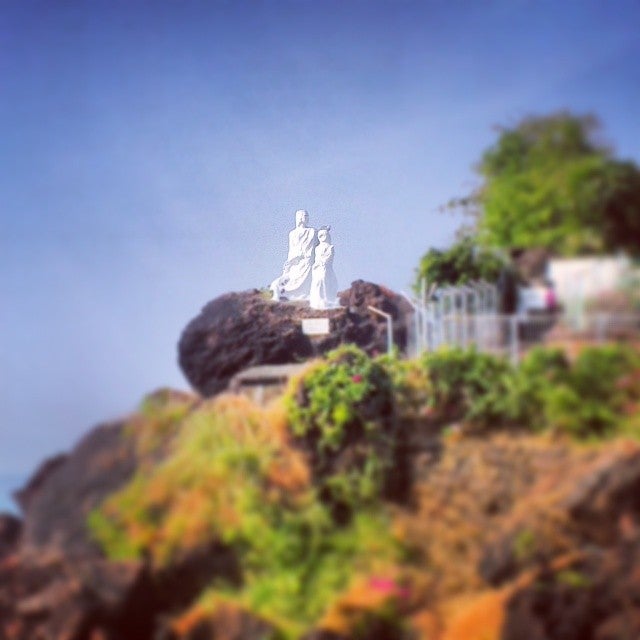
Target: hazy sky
x,y
153,155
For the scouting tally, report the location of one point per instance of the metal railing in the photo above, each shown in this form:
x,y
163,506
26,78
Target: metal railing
x,y
467,316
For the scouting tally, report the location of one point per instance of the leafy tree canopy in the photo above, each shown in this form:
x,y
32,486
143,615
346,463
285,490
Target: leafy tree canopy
x,y
463,262
549,182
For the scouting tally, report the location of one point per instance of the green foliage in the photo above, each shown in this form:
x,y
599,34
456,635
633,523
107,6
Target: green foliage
x,y
297,569
547,182
574,579
542,371
203,490
347,393
524,544
464,262
470,386
345,404
229,477
584,398
587,398
410,384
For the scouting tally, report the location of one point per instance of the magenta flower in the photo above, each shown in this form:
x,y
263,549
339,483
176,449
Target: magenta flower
x,y
390,587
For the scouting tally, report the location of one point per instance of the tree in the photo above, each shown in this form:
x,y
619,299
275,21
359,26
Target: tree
x,y
463,262
549,182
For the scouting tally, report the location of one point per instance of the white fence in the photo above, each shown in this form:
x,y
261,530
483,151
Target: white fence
x,y
467,316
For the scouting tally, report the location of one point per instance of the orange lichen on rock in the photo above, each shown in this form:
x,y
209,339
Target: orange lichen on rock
x,y
477,617
289,472
387,596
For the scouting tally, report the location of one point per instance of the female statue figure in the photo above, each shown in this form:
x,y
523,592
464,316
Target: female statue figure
x,y
295,281
324,286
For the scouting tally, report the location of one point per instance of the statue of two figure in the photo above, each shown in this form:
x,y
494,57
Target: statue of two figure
x,y
308,272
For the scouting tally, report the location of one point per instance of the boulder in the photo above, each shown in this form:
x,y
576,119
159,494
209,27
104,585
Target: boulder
x,y
241,330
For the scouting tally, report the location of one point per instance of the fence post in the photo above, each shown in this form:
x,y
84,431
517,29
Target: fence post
x,y
389,320
600,327
513,333
419,344
463,318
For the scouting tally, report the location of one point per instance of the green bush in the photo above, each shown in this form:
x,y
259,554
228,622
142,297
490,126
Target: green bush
x,y
341,413
541,372
469,385
410,384
586,398
592,400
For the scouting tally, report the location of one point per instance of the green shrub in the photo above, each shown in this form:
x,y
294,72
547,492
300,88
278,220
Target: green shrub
x,y
573,579
586,398
341,413
597,371
410,384
541,372
598,398
346,394
469,385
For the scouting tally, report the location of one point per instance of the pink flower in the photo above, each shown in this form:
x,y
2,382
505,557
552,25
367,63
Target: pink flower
x,y
386,585
357,378
390,587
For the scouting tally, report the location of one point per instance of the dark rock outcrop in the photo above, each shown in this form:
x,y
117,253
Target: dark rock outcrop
x,y
10,528
597,597
61,599
55,581
24,495
241,330
588,504
60,501
230,622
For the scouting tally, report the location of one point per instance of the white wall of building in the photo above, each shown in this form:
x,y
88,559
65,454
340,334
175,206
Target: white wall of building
x,y
586,278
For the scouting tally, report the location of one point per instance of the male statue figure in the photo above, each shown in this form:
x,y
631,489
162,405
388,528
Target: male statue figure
x,y
295,281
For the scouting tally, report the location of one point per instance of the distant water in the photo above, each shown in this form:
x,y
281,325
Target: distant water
x,y
8,484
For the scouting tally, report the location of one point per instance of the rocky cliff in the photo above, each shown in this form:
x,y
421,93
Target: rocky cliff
x,y
376,499
512,537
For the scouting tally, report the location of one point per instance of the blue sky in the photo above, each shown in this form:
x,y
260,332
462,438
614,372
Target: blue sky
x,y
153,155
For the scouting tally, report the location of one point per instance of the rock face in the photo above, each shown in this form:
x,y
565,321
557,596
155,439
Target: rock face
x,y
59,498
510,534
55,581
10,528
241,330
546,532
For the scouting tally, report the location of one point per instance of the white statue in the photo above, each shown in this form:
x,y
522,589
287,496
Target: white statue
x,y
324,286
295,281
